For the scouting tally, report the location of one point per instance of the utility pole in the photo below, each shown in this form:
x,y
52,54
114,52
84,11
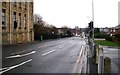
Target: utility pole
x,y
93,19
91,51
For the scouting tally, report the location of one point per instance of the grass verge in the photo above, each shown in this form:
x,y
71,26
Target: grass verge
x,y
107,43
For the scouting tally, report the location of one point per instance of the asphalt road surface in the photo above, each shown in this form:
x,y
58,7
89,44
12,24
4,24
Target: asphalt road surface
x,y
53,56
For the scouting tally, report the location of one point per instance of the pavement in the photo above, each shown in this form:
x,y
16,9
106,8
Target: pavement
x,y
113,53
52,56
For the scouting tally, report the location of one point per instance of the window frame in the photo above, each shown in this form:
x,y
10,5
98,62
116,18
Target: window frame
x,y
3,19
19,4
19,21
14,15
25,23
25,4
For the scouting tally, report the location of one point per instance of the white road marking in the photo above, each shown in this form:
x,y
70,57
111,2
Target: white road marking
x,y
15,56
42,46
48,52
80,55
9,68
61,46
20,52
77,68
61,41
4,68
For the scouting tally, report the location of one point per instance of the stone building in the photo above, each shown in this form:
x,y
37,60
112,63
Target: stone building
x,y
17,21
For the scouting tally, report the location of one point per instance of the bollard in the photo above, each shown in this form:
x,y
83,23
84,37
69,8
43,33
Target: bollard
x,y
96,58
101,62
41,38
107,65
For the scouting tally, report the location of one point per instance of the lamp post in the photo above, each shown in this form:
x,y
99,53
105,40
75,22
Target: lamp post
x,y
93,18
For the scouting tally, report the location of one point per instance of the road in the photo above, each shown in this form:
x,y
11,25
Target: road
x,y
53,56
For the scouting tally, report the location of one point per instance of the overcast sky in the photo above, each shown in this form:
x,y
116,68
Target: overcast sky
x,y
73,13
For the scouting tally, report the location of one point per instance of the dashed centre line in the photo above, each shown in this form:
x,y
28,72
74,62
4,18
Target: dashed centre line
x,y
61,46
20,52
48,52
15,56
42,46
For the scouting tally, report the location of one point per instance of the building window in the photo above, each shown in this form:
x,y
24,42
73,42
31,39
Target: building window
x,y
14,2
14,20
25,21
25,5
19,4
31,4
3,2
19,21
3,18
14,16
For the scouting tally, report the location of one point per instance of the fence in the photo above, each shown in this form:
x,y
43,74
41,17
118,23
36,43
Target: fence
x,y
96,51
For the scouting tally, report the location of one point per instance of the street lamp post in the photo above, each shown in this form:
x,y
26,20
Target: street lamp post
x,y
93,19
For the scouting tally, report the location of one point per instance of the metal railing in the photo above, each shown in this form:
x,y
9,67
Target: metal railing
x,y
96,52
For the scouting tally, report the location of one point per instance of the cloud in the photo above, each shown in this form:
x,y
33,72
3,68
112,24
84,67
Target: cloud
x,y
74,12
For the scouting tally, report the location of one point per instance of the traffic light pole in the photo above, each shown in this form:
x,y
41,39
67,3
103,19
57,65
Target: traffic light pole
x,y
91,51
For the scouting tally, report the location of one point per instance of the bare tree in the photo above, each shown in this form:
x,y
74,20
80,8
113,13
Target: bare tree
x,y
38,26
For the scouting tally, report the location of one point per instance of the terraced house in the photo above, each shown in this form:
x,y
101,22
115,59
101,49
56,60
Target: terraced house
x,y
17,21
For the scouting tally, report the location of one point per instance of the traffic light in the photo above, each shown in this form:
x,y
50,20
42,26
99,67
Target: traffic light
x,y
91,25
15,24
91,28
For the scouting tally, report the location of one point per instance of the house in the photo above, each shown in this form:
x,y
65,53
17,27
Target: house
x,y
105,30
115,30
